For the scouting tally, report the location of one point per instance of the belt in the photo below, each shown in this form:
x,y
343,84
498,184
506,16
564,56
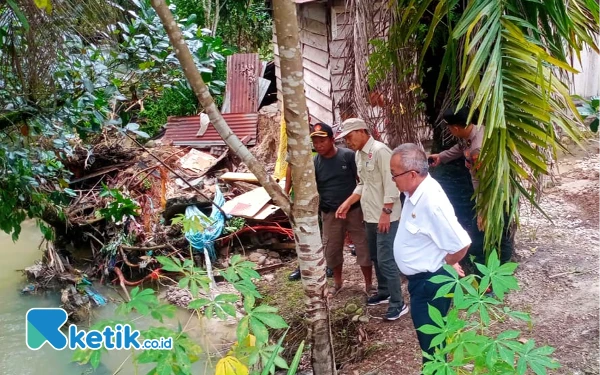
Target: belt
x,y
427,275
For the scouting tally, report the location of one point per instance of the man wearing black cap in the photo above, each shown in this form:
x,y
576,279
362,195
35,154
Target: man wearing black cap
x,y
336,176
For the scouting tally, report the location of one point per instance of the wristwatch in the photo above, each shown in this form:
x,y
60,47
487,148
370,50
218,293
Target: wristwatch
x,y
387,210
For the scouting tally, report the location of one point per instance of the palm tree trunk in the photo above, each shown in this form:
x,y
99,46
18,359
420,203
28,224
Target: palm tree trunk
x,y
305,207
206,101
303,214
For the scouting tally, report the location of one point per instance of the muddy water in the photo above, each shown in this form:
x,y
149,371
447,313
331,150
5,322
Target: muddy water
x,y
17,359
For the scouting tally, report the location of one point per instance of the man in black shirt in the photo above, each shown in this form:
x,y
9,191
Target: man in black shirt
x,y
336,176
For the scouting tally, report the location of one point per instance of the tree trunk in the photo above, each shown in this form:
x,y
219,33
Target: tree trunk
x,y
305,207
206,101
303,215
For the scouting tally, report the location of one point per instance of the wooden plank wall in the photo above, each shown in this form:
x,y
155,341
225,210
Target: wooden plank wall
x,y
341,32
586,83
314,37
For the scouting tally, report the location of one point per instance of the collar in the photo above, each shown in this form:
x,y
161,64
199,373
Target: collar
x,y
367,147
414,198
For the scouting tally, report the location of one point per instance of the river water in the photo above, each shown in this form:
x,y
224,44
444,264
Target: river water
x,y
17,359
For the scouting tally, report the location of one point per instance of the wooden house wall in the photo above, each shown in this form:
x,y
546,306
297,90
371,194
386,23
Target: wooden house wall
x,y
314,39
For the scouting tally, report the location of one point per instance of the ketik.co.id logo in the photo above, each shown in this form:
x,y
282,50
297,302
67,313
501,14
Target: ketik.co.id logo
x,y
43,326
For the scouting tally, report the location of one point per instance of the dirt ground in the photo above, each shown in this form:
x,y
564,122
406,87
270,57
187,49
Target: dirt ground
x,y
558,275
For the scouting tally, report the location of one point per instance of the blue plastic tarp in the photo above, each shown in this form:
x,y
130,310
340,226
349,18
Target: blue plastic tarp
x,y
213,226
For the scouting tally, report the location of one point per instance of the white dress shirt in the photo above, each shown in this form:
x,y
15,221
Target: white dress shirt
x,y
428,230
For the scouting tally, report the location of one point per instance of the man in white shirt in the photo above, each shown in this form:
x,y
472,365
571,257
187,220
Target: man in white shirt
x,y
428,236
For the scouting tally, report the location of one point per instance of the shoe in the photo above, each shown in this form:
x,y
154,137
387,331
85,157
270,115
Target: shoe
x,y
377,300
394,313
295,275
489,293
329,272
352,250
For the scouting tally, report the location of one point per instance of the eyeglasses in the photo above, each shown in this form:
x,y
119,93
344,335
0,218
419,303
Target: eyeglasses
x,y
394,176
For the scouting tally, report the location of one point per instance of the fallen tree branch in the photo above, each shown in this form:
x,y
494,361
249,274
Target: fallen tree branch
x,y
141,248
571,272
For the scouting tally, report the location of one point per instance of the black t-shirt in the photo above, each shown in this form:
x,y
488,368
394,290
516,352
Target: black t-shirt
x,y
336,178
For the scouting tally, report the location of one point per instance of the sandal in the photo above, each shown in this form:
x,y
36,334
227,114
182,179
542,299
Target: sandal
x,y
371,291
334,290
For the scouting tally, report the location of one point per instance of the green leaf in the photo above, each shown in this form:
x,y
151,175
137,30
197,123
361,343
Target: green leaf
x,y
271,320
198,303
229,309
184,282
265,309
259,330
443,291
95,358
248,274
164,368
296,361
435,315
268,366
209,311
235,259
506,355
429,329
246,287
194,289
249,302
508,335
231,298
20,15
170,264
594,125
441,279
243,328
280,362
520,315
437,340
219,312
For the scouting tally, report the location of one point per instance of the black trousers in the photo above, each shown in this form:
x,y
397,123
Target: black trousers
x,y
422,292
476,249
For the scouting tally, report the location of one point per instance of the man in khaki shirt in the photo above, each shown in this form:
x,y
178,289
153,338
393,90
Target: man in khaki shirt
x,y
380,203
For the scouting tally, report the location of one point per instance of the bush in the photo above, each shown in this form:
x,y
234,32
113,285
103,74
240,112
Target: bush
x,y
174,101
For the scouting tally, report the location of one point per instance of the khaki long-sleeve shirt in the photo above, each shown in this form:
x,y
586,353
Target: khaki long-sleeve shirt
x,y
469,148
376,187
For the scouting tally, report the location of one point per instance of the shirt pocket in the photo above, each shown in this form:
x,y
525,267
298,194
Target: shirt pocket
x,y
412,228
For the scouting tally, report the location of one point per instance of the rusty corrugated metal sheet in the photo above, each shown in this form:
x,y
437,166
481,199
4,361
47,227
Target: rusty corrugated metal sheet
x,y
243,72
183,130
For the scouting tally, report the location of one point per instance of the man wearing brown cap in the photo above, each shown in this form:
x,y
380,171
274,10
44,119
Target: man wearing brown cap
x,y
380,202
336,177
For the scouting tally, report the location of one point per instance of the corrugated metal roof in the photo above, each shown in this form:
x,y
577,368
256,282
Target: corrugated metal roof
x,y
243,72
183,130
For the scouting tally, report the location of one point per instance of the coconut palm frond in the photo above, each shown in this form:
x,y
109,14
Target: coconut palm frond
x,y
514,59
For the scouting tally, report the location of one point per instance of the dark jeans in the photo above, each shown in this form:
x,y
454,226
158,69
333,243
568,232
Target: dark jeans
x,y
381,249
422,292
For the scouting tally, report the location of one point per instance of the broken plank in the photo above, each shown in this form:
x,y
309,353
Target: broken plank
x,y
247,205
267,211
236,176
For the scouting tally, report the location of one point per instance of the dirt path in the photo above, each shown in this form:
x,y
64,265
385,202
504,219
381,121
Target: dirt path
x,y
558,274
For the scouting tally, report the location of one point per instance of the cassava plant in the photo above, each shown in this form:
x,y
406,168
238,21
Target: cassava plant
x,y
465,340
253,353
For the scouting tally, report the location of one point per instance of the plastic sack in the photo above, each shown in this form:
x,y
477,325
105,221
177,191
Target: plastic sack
x,y
213,227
